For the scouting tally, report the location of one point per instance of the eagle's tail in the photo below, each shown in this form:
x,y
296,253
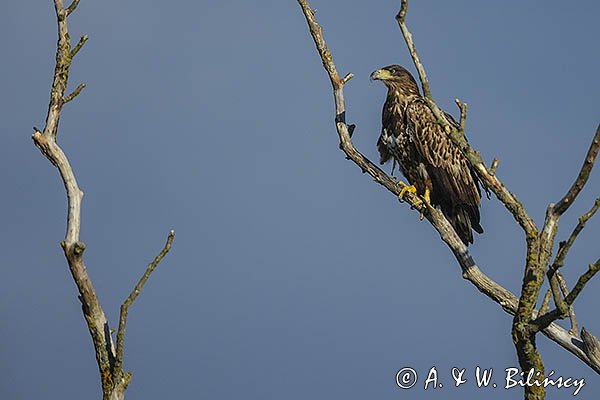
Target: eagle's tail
x,y
464,219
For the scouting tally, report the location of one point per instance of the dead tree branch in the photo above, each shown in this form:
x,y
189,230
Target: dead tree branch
x,y
564,247
134,294
509,302
565,291
582,177
591,346
525,324
539,247
563,310
114,381
557,282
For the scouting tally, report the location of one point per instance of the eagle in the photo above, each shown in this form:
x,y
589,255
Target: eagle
x,y
434,166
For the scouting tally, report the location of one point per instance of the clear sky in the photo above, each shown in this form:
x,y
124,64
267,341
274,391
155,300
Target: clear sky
x,y
292,275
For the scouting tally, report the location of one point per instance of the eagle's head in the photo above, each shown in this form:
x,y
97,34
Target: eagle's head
x,y
398,78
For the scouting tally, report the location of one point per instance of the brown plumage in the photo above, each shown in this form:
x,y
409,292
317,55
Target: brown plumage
x,y
411,136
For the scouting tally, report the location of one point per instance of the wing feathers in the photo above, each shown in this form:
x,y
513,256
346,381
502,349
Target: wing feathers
x,y
455,185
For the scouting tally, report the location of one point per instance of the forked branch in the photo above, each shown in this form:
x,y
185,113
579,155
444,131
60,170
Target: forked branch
x,y
507,300
114,381
564,247
539,247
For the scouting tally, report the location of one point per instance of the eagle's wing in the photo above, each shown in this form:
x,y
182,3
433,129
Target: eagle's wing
x,y
389,130
384,153
441,153
455,184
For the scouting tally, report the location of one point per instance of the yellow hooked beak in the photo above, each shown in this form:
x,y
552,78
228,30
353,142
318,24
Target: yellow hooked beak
x,y
380,74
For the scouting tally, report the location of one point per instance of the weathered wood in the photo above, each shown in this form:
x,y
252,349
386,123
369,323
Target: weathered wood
x,y
114,380
539,245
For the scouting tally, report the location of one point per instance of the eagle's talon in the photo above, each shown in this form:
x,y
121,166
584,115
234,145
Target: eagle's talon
x,y
417,204
410,189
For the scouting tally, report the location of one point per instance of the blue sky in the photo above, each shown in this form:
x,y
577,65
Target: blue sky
x,y
292,274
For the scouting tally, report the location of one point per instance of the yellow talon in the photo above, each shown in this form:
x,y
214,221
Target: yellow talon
x,y
418,202
427,196
410,189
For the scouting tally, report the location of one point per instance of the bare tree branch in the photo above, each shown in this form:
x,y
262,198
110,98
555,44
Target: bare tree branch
x,y
340,117
532,282
72,247
114,381
559,301
79,45
581,282
554,212
555,277
565,291
564,247
463,115
539,248
470,270
545,302
75,93
72,7
134,294
562,311
401,18
582,177
547,238
494,166
591,346
523,335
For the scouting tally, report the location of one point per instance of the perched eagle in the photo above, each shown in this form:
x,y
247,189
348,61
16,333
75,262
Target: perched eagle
x,y
433,165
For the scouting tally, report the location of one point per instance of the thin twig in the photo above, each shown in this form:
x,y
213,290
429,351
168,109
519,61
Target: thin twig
x,y
565,291
564,247
545,302
401,18
72,7
346,78
79,45
583,279
134,294
75,93
463,114
494,166
582,177
559,301
544,320
559,291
